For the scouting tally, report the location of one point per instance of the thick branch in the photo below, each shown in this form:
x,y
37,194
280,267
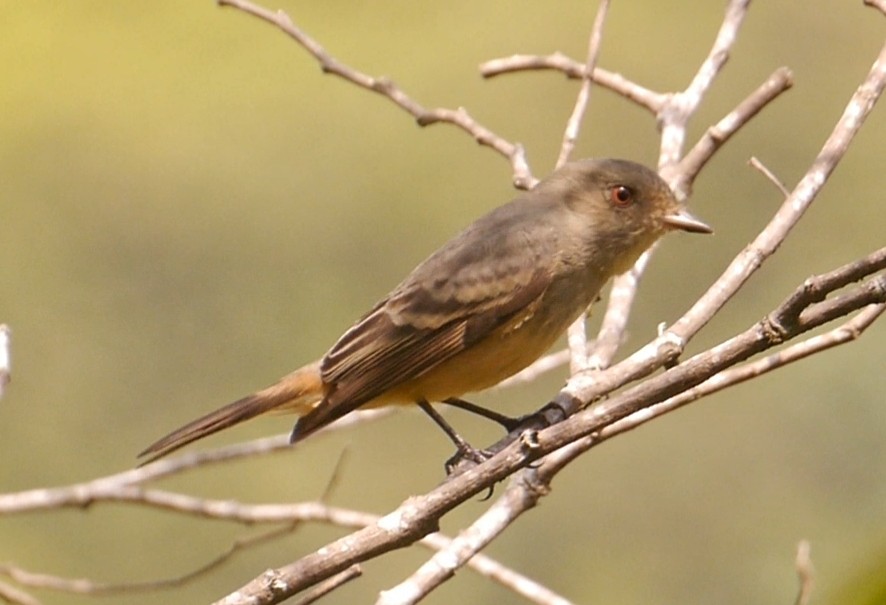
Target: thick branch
x,y
418,516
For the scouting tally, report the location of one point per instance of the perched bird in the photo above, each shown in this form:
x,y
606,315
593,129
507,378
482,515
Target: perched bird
x,y
481,308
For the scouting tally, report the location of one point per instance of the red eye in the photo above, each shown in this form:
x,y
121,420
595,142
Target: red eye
x,y
621,196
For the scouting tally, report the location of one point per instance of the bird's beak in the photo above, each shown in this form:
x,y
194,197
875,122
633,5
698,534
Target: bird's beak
x,y
683,220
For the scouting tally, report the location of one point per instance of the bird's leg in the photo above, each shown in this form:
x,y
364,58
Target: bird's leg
x,y
507,422
464,450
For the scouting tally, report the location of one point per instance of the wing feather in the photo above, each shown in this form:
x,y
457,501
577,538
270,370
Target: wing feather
x,y
478,282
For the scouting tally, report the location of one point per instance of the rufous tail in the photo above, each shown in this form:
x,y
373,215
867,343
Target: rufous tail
x,y
297,392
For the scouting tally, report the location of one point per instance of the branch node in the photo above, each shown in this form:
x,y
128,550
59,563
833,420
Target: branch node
x,y
529,440
383,85
670,347
773,330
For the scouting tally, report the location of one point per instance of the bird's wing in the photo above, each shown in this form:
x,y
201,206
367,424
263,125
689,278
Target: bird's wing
x,y
453,300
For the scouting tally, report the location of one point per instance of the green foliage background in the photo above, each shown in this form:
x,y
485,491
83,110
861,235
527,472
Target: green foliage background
x,y
189,209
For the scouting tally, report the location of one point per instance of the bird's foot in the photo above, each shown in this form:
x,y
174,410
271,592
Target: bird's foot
x,y
466,456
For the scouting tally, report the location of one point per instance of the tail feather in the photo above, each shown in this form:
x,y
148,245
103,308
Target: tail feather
x,y
297,392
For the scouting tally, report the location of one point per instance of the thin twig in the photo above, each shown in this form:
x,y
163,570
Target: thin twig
x,y
11,594
443,565
5,357
805,572
644,97
674,116
816,288
760,167
90,587
716,136
290,514
514,152
573,125
83,494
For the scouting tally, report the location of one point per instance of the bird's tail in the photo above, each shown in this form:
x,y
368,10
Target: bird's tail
x,y
297,393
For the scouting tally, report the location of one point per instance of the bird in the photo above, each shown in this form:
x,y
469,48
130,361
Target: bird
x,y
484,306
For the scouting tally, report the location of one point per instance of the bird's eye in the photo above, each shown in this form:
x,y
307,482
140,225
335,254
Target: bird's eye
x,y
621,196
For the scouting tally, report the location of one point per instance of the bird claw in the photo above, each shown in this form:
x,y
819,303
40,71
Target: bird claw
x,y
466,454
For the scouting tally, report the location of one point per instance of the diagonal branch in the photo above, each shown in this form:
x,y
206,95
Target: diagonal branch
x,y
418,516
531,484
716,136
584,94
514,152
675,115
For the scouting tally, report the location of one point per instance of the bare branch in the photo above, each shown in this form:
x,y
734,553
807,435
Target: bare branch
x,y
526,488
89,587
805,572
291,514
760,167
644,97
672,110
13,595
584,94
514,152
780,81
676,113
5,362
843,334
878,4
514,502
418,516
816,288
821,299
520,585
673,115
793,208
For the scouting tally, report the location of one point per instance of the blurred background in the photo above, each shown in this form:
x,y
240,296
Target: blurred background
x,y
189,210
